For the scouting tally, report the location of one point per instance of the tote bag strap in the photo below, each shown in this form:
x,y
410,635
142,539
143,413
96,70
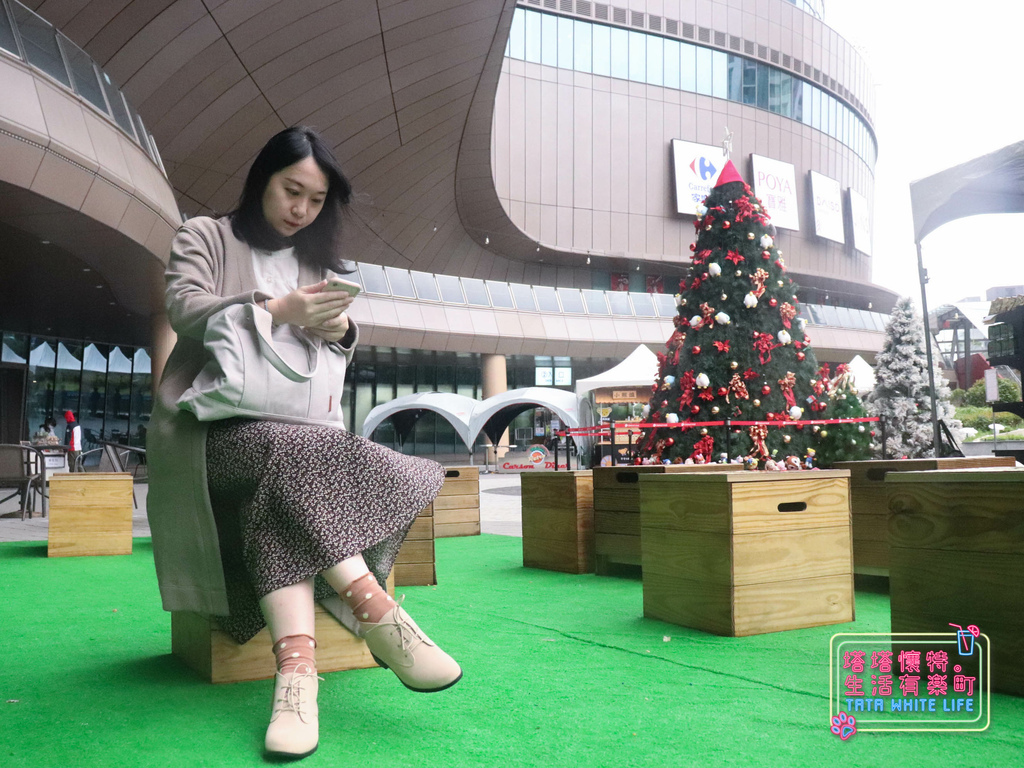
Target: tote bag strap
x,y
264,324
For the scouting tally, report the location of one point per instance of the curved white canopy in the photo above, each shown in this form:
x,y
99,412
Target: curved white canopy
x,y
639,369
494,414
404,412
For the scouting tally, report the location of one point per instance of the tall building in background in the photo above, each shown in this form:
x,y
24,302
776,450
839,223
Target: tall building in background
x,y
527,174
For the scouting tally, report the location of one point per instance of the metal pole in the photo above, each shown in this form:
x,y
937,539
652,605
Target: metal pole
x,y
611,438
923,277
556,453
728,441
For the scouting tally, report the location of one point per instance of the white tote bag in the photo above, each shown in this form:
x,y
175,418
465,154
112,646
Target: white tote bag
x,y
260,371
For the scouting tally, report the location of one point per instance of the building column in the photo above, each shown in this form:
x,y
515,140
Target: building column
x,y
495,381
162,337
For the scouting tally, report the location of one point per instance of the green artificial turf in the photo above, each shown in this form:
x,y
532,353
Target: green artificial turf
x,y
559,671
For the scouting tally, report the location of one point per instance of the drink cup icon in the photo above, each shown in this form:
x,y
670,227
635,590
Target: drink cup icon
x,y
965,638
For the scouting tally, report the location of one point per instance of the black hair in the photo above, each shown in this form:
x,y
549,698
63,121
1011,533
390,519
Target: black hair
x,y
318,243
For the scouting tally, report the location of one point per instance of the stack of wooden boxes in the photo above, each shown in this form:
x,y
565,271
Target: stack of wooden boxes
x,y
742,553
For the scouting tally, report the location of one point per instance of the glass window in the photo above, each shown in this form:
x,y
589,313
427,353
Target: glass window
x,y
620,53
547,300
517,35
400,282
9,44
39,402
774,89
524,297
141,399
815,108
156,154
140,131
426,288
671,56
40,41
476,293
656,60
762,85
67,392
597,304
549,40
801,101
565,52
501,296
704,71
665,304
688,67
637,56
582,47
373,280
572,301
749,82
531,40
720,74
735,76
643,305
94,394
117,105
86,83
602,49
451,289
619,301
119,393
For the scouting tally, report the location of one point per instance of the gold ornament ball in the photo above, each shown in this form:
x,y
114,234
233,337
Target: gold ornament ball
x,y
816,428
734,365
714,409
724,297
707,228
750,235
780,283
824,433
682,302
786,438
757,403
704,430
739,273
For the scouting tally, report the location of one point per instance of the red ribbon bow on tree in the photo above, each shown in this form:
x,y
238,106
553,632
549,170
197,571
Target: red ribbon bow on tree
x,y
757,434
758,279
708,312
738,388
786,385
705,447
764,343
788,312
686,383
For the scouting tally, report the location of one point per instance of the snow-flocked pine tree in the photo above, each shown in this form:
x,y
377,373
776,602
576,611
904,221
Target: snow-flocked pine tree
x,y
902,394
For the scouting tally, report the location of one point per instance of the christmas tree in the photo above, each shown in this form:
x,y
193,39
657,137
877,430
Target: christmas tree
x,y
841,442
902,396
739,350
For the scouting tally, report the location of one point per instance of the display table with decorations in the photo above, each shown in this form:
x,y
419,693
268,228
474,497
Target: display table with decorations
x,y
957,556
90,514
743,553
869,505
558,521
617,510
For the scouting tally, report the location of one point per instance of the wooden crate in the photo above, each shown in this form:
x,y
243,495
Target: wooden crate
x,y
558,521
200,643
743,553
869,505
457,506
90,514
617,510
957,555
415,564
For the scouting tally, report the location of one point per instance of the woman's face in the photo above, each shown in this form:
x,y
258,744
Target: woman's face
x,y
294,196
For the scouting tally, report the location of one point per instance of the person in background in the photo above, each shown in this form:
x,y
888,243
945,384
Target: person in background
x,y
72,439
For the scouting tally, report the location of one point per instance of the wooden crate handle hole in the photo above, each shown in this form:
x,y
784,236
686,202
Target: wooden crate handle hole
x,y
628,477
792,506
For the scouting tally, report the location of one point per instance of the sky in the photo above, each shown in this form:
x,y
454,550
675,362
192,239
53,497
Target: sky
x,y
947,89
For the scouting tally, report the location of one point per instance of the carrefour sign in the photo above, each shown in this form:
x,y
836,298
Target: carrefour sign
x,y
696,168
775,185
828,208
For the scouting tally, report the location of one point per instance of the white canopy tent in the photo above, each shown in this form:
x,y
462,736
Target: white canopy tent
x,y
863,375
405,411
638,370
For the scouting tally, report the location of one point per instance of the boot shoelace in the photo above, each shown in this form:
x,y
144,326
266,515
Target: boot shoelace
x,y
294,697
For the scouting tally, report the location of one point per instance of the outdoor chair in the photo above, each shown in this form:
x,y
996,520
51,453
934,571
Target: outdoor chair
x,y
22,468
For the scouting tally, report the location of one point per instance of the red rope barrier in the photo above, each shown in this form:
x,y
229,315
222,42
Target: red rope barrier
x,y
639,427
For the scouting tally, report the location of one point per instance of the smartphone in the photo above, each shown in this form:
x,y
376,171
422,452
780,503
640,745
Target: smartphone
x,y
337,284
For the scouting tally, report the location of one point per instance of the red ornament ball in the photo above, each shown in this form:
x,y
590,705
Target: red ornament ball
x,y
766,255
696,349
722,391
872,433
773,303
693,246
664,403
800,355
636,461
726,225
766,390
670,442
769,416
695,409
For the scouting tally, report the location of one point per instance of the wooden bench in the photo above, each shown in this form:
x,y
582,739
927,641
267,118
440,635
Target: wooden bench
x,y
90,514
457,506
869,504
617,510
558,521
743,553
415,564
957,555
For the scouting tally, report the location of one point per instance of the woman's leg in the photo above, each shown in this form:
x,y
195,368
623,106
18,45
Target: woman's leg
x,y
294,721
393,638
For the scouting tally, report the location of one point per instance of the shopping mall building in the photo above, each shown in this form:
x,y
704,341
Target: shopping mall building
x,y
527,174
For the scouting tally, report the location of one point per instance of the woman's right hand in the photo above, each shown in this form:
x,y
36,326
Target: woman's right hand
x,y
309,305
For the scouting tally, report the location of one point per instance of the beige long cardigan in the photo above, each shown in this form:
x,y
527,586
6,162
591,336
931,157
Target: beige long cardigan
x,y
209,269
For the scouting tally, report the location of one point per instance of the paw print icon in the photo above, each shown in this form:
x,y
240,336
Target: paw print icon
x,y
843,726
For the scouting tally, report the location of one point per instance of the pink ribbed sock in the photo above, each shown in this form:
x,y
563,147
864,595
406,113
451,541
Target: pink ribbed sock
x,y
366,599
293,651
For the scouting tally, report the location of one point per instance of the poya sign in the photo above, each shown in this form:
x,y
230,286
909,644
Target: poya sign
x,y
536,458
696,168
775,185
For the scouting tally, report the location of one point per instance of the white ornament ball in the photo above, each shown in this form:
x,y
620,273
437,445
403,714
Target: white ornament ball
x,y
860,428
780,283
766,241
750,301
671,418
784,337
795,412
714,270
853,441
702,380
722,318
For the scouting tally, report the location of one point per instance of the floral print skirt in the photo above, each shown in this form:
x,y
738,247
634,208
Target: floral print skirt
x,y
291,501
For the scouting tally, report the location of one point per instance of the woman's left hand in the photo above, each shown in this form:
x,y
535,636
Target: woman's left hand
x,y
331,330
